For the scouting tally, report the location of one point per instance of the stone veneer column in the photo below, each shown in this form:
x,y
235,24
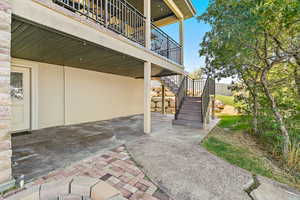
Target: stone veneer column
x,y
6,180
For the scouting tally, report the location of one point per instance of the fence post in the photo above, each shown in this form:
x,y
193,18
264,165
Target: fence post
x,y
193,87
186,86
214,99
213,114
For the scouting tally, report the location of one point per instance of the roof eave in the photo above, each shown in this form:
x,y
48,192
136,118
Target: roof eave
x,y
192,8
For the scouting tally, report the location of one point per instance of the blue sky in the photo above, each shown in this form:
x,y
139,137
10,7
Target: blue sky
x,y
194,32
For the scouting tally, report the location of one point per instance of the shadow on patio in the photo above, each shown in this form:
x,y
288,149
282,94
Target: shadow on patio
x,y
48,149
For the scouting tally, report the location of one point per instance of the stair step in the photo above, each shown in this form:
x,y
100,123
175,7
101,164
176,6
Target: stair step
x,y
192,98
190,109
192,106
190,112
191,103
189,117
192,124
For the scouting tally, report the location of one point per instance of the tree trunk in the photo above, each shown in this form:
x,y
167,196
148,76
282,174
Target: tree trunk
x,y
276,112
297,73
255,115
252,92
254,109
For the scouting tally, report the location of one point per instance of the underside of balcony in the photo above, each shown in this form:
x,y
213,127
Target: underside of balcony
x,y
38,43
127,20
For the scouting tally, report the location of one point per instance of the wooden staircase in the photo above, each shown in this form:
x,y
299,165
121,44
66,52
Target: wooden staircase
x,y
190,113
191,110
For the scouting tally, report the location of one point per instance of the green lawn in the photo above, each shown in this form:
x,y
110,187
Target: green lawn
x,y
227,100
234,122
231,141
236,156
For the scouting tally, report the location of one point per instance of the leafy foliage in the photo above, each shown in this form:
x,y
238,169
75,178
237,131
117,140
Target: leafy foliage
x,y
196,74
258,42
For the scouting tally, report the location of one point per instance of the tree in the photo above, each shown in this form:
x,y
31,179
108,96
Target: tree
x,y
197,73
251,39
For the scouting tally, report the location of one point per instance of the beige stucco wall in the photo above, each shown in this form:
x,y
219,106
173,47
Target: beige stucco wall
x,y
92,96
64,95
51,95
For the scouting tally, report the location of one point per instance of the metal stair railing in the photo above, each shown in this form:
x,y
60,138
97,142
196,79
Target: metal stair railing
x,y
195,88
205,100
181,93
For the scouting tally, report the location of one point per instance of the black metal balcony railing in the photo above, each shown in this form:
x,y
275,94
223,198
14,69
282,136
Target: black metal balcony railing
x,y
121,17
116,15
164,45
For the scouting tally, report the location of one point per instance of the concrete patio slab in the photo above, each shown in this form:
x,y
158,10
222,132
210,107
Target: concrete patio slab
x,y
48,149
172,157
271,190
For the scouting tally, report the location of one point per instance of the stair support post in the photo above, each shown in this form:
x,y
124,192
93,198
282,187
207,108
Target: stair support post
x,y
213,111
206,118
193,87
186,86
163,108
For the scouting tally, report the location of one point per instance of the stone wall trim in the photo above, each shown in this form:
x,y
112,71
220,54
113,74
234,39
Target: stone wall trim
x,y
6,180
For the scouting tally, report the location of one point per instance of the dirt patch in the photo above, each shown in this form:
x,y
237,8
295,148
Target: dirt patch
x,y
229,110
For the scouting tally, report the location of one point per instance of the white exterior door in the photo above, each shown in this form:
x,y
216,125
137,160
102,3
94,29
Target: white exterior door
x,y
20,98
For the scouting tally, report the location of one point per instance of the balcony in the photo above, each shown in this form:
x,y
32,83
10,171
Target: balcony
x,y
164,45
121,17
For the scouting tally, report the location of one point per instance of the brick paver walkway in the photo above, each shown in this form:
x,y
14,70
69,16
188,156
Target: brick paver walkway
x,y
114,167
